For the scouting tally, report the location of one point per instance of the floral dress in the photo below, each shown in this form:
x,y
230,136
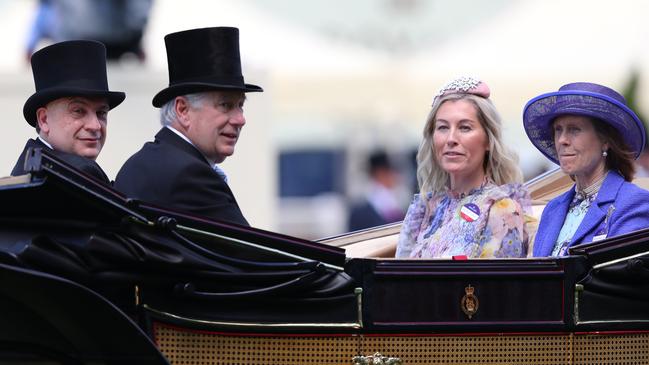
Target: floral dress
x,y
487,222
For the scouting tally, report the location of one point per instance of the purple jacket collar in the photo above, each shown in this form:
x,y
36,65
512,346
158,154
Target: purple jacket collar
x,y
551,224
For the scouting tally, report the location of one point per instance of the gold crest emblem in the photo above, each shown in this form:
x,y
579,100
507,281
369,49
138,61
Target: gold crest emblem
x,y
469,302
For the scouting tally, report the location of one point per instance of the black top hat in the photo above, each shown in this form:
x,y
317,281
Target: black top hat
x,y
71,68
201,60
379,159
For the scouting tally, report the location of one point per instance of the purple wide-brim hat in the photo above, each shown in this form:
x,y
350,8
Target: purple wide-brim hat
x,y
581,98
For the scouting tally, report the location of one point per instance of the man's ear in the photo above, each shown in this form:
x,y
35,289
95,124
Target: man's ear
x,y
181,105
41,120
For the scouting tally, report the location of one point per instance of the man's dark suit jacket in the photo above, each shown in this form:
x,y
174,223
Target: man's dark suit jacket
x,y
363,215
170,172
85,165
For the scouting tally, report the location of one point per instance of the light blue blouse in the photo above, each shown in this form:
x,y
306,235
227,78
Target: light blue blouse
x,y
574,217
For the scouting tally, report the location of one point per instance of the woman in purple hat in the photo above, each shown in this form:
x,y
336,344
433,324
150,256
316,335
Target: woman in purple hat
x,y
588,130
470,202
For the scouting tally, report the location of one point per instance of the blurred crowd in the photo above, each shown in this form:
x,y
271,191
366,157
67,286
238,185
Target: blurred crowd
x,y
387,186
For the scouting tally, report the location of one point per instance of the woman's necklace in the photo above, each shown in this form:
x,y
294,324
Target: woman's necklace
x,y
584,197
592,189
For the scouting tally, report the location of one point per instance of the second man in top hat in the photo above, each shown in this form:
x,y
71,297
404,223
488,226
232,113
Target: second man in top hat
x,y
202,117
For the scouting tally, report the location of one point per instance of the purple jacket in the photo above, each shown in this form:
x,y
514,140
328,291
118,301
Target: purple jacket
x,y
626,204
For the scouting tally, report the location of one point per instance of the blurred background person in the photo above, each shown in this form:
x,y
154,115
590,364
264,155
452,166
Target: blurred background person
x,y
42,27
381,204
119,24
590,132
471,202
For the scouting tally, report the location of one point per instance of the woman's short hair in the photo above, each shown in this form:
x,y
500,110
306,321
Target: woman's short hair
x,y
501,163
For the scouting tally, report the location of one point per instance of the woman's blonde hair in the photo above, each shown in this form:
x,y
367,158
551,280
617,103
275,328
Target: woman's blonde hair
x,y
501,163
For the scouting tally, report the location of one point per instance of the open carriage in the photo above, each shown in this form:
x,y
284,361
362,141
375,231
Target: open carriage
x,y
91,277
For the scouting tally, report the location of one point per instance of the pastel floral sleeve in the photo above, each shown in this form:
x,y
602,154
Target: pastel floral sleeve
x,y
410,227
505,232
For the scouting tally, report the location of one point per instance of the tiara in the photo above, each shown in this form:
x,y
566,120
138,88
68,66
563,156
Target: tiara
x,y
465,85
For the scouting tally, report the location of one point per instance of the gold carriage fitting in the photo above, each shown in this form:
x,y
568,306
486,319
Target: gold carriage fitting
x,y
469,302
81,262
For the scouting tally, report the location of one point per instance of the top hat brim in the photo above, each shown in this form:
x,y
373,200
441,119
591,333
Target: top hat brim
x,y
195,87
540,112
43,97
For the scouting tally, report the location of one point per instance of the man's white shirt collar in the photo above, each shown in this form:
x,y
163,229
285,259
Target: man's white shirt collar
x,y
45,142
216,168
180,134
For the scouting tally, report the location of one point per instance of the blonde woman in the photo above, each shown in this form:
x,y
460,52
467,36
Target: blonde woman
x,y
471,202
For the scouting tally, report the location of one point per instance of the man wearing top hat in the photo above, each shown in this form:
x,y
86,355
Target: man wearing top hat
x,y
70,107
202,116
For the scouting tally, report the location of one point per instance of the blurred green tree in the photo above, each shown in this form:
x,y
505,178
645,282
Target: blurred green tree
x,y
630,93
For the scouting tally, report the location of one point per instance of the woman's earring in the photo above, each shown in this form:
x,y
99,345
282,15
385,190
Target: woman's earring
x,y
604,154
